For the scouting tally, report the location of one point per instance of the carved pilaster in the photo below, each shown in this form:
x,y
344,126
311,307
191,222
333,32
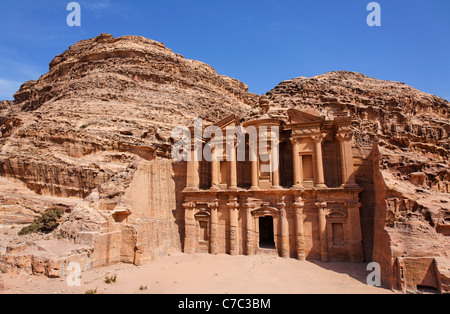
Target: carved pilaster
x,y
275,166
190,228
214,249
297,165
354,219
232,162
250,234
255,167
233,205
299,206
215,169
284,229
322,213
345,137
320,177
192,175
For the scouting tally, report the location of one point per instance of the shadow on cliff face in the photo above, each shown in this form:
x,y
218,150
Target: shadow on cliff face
x,y
179,170
365,179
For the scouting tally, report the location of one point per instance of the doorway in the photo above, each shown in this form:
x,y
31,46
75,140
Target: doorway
x,y
266,234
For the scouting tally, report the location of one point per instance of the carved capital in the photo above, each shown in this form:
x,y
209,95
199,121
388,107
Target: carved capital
x,y
317,138
248,205
344,136
233,204
213,205
281,205
299,205
189,205
321,205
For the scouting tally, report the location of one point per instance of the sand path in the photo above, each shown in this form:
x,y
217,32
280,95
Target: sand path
x,y
209,274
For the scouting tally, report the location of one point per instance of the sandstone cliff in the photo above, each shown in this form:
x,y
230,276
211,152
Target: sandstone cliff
x,y
108,95
93,136
401,150
97,128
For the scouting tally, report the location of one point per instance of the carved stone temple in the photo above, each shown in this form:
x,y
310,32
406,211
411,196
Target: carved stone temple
x,y
306,208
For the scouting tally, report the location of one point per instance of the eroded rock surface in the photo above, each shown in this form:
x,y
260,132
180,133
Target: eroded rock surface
x,y
406,176
93,134
96,129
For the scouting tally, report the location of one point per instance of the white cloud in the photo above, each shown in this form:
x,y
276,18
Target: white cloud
x,y
8,88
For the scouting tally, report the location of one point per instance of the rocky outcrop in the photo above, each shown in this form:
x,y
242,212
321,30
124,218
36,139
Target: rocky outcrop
x,y
8,121
140,71
94,129
398,116
107,95
401,148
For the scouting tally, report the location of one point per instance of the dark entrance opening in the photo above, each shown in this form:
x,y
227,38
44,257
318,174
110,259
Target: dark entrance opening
x,y
266,235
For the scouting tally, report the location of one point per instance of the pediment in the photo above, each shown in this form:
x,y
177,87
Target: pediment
x,y
202,215
265,210
304,117
337,215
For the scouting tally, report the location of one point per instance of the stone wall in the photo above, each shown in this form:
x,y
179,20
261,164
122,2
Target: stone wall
x,y
152,227
364,159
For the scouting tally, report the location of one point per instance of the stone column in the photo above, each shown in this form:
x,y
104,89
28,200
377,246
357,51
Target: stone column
x,y
320,178
322,211
249,226
354,219
298,165
190,228
192,175
284,230
214,249
255,166
276,179
275,165
299,227
234,223
215,166
233,167
348,170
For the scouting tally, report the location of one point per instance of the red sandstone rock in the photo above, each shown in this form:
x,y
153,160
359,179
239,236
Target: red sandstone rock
x,y
97,127
405,212
92,127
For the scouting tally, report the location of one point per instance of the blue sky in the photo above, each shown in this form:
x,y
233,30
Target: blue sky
x,y
260,42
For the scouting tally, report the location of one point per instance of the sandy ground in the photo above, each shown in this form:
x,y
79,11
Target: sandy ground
x,y
208,274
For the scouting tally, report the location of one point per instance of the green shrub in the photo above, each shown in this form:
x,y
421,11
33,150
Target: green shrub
x,y
47,223
110,280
